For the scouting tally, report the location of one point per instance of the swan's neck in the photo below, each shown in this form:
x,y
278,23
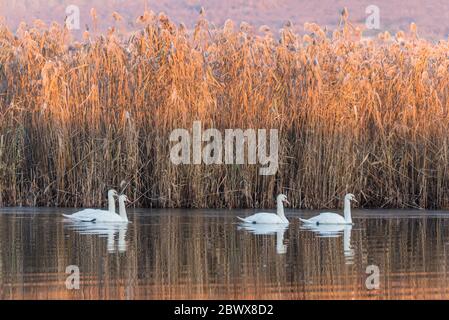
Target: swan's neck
x,y
111,203
122,210
280,209
347,211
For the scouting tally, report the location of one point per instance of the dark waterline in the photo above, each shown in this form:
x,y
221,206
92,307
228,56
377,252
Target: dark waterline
x,y
206,254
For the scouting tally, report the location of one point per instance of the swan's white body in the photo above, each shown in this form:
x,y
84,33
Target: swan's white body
x,y
333,218
326,218
95,215
269,218
90,215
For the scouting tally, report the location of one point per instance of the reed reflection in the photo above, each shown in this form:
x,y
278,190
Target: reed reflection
x,y
174,254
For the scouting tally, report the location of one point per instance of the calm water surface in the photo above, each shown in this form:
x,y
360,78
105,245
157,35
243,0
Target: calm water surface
x,y
207,254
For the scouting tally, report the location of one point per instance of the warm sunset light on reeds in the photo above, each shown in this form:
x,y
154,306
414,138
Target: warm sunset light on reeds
x,y
369,116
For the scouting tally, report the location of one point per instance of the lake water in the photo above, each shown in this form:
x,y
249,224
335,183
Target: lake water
x,y
206,254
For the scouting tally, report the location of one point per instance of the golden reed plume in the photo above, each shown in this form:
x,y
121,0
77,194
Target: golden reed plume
x,y
367,116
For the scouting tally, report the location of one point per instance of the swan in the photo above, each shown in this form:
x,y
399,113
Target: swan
x,y
88,215
270,218
333,218
112,216
92,215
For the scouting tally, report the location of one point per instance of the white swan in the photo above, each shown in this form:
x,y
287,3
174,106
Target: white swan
x,y
92,215
88,215
333,218
270,218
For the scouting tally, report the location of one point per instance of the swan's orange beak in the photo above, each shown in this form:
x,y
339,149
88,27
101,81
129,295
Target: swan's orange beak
x,y
286,201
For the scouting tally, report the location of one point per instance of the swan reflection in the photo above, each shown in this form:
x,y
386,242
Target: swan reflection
x,y
268,229
335,231
111,231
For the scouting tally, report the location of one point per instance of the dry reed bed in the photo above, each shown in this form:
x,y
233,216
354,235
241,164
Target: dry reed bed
x,y
368,116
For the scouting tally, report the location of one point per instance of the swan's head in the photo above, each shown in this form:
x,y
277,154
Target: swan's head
x,y
123,198
282,198
112,193
350,197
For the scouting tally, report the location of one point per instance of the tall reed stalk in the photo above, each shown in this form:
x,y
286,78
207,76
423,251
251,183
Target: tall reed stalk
x,y
369,116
